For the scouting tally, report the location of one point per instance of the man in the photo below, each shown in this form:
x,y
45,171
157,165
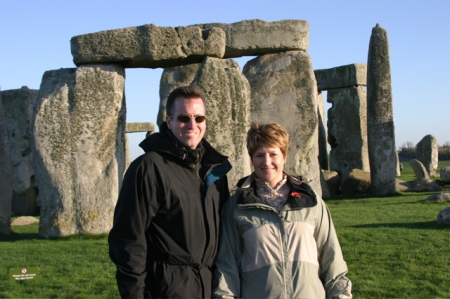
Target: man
x,y
166,223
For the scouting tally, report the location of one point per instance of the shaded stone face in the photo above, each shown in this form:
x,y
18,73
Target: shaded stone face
x,y
284,91
6,175
80,148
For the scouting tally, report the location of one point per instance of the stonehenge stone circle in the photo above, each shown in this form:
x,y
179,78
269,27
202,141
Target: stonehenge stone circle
x,y
380,118
79,131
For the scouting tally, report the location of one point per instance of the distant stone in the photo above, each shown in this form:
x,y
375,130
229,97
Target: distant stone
x,y
148,46
444,217
80,158
342,76
257,37
140,127
427,152
439,197
419,169
24,220
356,183
445,174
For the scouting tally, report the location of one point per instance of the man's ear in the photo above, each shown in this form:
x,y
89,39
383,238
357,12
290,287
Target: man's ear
x,y
168,119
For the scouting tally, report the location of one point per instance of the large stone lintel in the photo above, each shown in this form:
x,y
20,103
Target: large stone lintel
x,y
257,37
140,127
151,46
342,76
148,46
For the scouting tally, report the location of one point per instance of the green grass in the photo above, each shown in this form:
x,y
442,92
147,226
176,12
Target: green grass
x,y
392,245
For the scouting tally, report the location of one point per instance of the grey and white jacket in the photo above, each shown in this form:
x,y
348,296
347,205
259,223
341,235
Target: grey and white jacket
x,y
265,253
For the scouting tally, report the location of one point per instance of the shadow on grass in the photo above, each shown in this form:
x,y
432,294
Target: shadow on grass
x,y
415,225
13,237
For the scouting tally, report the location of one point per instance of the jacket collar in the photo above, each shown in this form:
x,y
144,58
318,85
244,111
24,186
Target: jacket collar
x,y
300,196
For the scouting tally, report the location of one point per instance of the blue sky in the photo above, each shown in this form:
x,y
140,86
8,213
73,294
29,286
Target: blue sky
x,y
35,37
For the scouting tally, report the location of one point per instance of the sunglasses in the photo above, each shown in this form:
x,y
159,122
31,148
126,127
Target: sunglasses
x,y
185,118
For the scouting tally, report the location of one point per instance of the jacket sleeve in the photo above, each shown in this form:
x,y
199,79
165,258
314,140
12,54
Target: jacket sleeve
x,y
127,239
226,283
333,267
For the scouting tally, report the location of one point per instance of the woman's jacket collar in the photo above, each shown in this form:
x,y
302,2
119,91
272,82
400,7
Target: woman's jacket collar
x,y
300,195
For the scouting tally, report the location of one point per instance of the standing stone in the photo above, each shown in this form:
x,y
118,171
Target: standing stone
x,y
427,152
80,148
347,130
284,90
18,105
380,118
323,144
419,170
227,106
6,173
444,174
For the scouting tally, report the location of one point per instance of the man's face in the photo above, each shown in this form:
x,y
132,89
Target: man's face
x,y
191,133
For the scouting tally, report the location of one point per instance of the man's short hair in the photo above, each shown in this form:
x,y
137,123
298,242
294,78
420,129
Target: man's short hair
x,y
185,92
270,134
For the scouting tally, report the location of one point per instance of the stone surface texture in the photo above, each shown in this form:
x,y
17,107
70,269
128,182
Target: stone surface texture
x,y
444,174
439,197
427,152
79,131
148,46
284,90
24,220
227,106
357,182
380,116
18,105
6,174
347,130
257,37
341,76
323,143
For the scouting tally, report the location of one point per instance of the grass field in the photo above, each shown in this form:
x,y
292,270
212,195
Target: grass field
x,y
392,245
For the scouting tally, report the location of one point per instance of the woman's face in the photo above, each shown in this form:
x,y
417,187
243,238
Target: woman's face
x,y
268,163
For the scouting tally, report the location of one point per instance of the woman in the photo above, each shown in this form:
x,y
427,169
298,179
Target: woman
x,y
278,239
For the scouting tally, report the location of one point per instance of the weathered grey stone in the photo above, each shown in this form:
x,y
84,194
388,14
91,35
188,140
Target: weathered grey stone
x,y
284,91
148,46
439,197
347,130
171,79
79,131
444,217
380,118
445,174
140,127
357,182
425,185
18,105
257,37
427,153
24,220
419,169
323,144
6,174
333,181
342,76
227,106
